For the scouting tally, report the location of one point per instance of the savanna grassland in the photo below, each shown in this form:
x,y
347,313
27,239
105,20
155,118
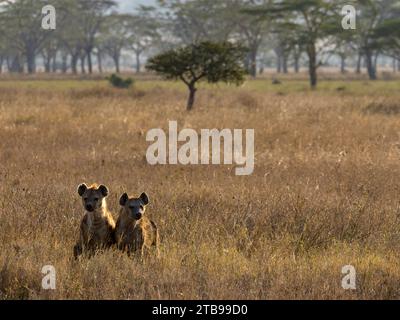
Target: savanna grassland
x,y
325,192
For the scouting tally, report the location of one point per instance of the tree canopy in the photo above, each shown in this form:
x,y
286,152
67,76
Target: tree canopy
x,y
277,33
208,61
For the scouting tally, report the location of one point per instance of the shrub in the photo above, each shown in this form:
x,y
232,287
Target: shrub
x,y
119,82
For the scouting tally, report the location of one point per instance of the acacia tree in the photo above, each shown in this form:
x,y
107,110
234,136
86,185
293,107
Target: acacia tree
x,y
114,37
54,43
285,43
22,19
49,54
313,21
249,29
91,17
194,21
208,61
143,32
3,46
388,35
343,47
377,20
70,34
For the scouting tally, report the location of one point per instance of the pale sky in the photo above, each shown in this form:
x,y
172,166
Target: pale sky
x,y
129,5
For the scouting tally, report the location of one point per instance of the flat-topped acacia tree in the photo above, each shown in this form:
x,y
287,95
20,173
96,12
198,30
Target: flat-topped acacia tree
x,y
205,61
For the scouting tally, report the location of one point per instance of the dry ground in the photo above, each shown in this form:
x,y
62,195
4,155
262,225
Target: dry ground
x,y
324,194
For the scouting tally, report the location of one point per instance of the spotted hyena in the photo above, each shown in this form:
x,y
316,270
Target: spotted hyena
x,y
97,226
135,232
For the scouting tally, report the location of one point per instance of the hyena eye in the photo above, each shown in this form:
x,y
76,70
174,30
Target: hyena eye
x,y
85,199
96,199
141,208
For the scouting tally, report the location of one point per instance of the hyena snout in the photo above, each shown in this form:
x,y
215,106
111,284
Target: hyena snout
x,y
136,212
89,207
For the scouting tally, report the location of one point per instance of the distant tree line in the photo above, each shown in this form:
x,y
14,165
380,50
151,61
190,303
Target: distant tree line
x,y
87,30
277,33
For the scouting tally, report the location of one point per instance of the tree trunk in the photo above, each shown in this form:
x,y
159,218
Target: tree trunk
x,y
8,62
192,95
46,63
100,61
31,61
312,67
246,62
398,64
74,64
16,65
83,70
89,60
370,65
138,66
278,61
64,66
394,63
296,64
116,62
1,64
54,63
342,64
285,64
253,61
376,61
359,63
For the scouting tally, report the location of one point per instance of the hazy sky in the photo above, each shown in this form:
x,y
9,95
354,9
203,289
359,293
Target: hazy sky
x,y
129,5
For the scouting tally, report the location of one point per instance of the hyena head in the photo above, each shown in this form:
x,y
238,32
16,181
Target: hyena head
x,y
134,207
93,197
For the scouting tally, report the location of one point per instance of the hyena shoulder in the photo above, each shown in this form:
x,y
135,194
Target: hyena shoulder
x,y
149,231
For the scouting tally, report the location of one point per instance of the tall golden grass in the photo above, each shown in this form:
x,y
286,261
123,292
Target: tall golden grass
x,y
324,194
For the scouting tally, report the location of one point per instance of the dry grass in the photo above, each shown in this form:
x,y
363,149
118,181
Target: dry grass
x,y
324,193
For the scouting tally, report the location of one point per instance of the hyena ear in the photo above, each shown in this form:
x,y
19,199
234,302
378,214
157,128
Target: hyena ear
x,y
82,189
123,200
104,190
145,199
